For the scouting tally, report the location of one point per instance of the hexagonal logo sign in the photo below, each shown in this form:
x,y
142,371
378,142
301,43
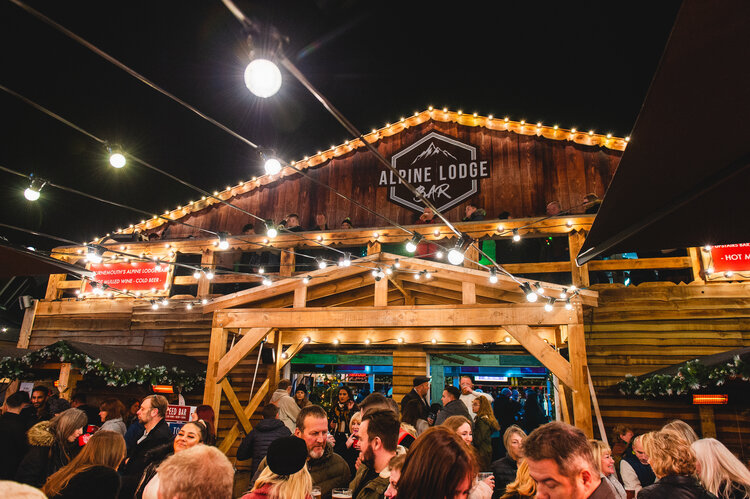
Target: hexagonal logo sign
x,y
444,170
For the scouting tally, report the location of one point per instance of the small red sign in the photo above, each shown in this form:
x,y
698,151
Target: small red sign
x,y
735,257
133,276
179,413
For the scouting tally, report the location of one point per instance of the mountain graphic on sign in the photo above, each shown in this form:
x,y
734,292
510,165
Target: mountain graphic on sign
x,y
431,151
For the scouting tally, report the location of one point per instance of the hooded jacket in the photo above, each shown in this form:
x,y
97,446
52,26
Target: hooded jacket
x,y
45,455
255,445
452,408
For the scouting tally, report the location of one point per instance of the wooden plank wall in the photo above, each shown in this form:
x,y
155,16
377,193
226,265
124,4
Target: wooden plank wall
x,y
637,330
526,173
407,363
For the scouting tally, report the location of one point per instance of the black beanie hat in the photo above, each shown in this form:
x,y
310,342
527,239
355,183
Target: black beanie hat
x,y
301,388
287,455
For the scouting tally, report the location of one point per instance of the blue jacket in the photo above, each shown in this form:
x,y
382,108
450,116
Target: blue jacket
x,y
255,444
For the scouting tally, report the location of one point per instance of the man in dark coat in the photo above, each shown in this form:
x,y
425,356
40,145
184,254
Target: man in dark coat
x,y
421,388
506,410
452,405
151,415
328,470
13,436
255,445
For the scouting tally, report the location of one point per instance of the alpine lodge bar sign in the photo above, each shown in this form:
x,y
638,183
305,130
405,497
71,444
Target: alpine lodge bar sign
x,y
444,171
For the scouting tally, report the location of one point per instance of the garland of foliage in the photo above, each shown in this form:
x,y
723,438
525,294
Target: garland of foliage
x,y
17,368
691,377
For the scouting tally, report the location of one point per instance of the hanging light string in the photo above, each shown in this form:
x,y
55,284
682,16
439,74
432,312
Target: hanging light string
x,y
295,72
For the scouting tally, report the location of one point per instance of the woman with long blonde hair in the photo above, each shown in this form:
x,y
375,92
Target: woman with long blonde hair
x,y
93,469
681,429
673,463
721,473
523,486
286,476
484,425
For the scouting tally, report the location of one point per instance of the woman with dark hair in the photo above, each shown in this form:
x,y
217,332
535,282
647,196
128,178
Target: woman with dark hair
x,y
411,415
205,414
300,396
190,435
112,411
92,473
341,413
131,411
53,444
439,465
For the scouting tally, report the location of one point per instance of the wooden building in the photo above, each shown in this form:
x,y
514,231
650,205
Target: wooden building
x,y
610,330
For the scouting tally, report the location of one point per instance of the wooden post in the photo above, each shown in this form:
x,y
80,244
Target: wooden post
x,y
373,247
407,363
472,255
580,275
381,293
695,263
708,421
599,421
561,389
579,368
216,350
300,296
52,292
204,285
67,381
468,293
288,263
273,370
24,336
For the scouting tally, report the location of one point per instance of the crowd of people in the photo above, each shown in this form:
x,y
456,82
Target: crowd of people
x,y
373,449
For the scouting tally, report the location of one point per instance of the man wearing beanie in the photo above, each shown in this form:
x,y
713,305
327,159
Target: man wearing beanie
x,y
419,392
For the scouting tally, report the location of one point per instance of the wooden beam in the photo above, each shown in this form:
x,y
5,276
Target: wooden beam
x,y
216,350
449,359
234,431
63,381
678,262
579,368
53,289
542,351
239,351
408,298
470,357
468,293
373,248
24,336
273,371
234,403
300,296
381,293
207,262
708,421
599,421
398,316
580,275
472,255
695,264
287,264
291,352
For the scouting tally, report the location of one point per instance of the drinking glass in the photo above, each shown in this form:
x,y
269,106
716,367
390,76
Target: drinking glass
x,y
341,494
316,494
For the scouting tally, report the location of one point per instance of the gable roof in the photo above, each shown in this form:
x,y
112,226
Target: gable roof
x,y
588,138
354,286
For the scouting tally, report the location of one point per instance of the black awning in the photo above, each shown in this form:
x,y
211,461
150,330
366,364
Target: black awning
x,y
685,175
707,360
19,261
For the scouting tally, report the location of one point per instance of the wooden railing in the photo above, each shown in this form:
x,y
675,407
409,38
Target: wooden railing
x,y
374,239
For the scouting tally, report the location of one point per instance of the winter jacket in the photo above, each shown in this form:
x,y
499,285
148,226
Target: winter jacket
x,y
288,408
413,395
45,455
504,470
13,438
255,444
116,425
675,487
478,215
328,472
368,484
137,460
98,482
154,458
483,442
452,408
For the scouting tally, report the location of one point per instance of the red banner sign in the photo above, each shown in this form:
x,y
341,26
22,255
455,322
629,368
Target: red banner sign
x,y
735,257
133,276
179,413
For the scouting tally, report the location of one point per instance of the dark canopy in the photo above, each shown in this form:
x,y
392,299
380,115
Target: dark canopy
x,y
683,178
18,261
714,360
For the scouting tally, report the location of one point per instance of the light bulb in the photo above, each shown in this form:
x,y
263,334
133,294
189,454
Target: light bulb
x,y
455,257
189,306
563,293
272,166
272,232
493,276
154,305
306,280
469,341
31,194
209,274
516,236
204,301
368,341
397,263
117,159
410,246
539,288
507,339
306,339
322,263
261,270
433,341
568,305
400,340
549,305
336,341
223,244
267,281
439,255
427,274
262,78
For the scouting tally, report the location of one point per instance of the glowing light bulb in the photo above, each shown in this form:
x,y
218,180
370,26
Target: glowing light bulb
x,y
493,276
306,280
322,263
272,166
433,341
507,339
368,341
455,257
469,341
204,301
189,306
117,159
31,194
272,232
439,255
262,78
267,281
306,339
516,236
209,274
336,341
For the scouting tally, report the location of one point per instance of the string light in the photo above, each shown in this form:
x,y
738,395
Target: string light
x,y
33,191
321,263
507,339
439,255
204,301
539,288
433,341
154,305
306,280
189,306
336,341
411,245
116,157
397,263
271,231
223,242
272,166
400,341
568,305
493,275
418,276
267,281
550,304
165,302
531,296
469,341
456,254
261,270
208,273
563,293
389,270
368,341
284,355
427,274
306,339
516,236
262,78
93,255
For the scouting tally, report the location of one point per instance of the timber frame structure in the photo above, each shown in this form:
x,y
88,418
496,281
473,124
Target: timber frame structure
x,y
349,305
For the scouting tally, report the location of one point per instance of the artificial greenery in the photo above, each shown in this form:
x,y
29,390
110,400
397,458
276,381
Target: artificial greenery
x,y
694,376
18,368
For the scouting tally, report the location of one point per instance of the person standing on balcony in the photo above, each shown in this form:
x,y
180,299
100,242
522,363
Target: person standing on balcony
x,y
473,213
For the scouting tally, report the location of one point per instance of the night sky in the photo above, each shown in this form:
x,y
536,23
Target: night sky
x,y
576,64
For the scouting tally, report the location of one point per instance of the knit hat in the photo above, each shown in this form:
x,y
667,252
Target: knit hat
x,y
505,392
301,388
287,455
